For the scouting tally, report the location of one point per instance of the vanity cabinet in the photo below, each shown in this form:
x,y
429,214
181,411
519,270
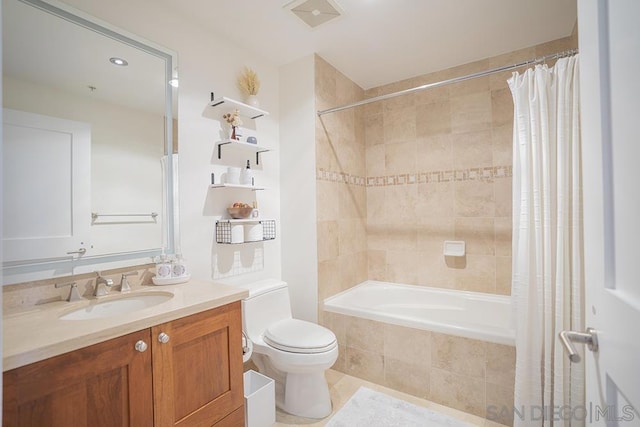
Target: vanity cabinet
x,y
106,384
197,371
187,373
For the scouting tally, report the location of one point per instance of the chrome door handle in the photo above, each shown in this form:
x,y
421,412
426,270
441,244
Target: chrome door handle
x,y
80,251
590,338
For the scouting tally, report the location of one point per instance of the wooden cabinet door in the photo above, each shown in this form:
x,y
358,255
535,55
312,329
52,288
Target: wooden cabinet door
x,y
197,373
107,384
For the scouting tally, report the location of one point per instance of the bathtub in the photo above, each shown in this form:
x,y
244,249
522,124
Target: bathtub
x,y
475,315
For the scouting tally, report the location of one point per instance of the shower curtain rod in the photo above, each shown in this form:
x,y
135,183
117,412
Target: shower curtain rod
x,y
450,81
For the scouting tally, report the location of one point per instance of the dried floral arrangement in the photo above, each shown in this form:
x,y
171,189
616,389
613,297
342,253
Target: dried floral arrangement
x,y
233,118
248,82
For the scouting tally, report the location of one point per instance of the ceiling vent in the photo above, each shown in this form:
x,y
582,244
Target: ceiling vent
x,y
315,12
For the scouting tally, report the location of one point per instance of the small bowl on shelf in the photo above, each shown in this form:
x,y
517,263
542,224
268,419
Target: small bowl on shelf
x,y
239,213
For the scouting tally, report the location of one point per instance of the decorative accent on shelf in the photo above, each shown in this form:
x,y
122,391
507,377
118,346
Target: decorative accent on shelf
x,y
249,84
234,120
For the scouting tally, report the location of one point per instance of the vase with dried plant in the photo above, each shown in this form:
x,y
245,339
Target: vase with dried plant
x,y
234,120
249,84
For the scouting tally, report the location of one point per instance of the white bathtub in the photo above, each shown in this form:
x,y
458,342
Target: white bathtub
x,y
484,317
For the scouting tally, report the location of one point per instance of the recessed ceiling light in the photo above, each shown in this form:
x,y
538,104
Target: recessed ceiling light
x,y
118,61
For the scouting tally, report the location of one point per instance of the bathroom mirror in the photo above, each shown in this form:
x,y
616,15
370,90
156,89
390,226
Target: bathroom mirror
x,y
89,158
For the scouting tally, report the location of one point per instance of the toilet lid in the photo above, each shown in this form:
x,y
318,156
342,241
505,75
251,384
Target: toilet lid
x,y
299,336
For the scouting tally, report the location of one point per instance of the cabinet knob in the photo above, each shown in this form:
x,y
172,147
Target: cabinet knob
x,y
141,346
163,338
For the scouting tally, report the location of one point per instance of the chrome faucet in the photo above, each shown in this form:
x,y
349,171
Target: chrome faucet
x,y
100,289
124,283
73,291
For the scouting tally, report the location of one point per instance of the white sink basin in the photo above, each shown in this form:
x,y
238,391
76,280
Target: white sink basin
x,y
113,307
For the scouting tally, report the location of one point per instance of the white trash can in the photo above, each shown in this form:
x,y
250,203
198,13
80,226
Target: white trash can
x,y
259,400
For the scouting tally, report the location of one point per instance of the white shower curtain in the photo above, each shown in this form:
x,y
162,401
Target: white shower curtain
x,y
547,286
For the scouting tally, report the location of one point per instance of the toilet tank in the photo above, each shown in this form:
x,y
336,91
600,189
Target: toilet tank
x,y
268,302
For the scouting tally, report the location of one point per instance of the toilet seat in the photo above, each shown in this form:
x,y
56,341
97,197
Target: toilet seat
x,y
299,336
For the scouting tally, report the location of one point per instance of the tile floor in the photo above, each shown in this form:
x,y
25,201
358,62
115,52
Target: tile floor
x,y
342,387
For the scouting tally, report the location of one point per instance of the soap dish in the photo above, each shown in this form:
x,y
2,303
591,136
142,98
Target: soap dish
x,y
163,281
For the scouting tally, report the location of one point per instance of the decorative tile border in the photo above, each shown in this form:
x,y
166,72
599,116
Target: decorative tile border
x,y
487,174
339,177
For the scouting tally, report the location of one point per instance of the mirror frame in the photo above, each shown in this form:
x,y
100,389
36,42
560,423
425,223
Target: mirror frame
x,y
19,272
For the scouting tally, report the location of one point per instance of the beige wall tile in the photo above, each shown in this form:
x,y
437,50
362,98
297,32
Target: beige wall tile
x,y
474,198
377,265
327,200
328,278
431,96
503,197
401,266
353,269
347,236
478,233
502,140
399,124
328,245
458,391
458,355
433,119
501,364
376,208
373,130
499,404
478,275
435,200
376,160
325,81
434,153
409,345
337,323
432,232
472,149
401,202
471,112
363,334
365,364
480,84
406,377
400,158
503,236
503,275
501,107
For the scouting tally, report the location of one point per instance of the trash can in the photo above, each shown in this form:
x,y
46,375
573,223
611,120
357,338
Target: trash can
x,y
259,400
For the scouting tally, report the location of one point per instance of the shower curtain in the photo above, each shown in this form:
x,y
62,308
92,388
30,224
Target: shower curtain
x,y
547,285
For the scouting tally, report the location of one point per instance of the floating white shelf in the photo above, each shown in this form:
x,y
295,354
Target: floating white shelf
x,y
244,109
248,187
239,145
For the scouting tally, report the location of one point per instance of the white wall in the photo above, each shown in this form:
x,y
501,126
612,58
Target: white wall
x,y
207,63
298,186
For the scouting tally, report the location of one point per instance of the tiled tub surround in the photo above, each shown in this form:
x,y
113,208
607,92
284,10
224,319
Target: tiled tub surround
x,y
375,223
466,374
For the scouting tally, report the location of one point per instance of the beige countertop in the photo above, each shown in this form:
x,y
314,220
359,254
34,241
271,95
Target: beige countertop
x,y
37,333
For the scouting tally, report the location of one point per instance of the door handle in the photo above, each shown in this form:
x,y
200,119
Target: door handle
x,y
80,251
590,338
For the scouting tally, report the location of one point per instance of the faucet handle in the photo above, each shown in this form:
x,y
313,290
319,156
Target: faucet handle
x,y
124,283
73,291
99,290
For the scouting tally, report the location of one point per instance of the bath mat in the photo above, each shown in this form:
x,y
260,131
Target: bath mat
x,y
369,408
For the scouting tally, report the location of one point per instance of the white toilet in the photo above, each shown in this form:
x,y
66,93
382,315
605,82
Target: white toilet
x,y
293,352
